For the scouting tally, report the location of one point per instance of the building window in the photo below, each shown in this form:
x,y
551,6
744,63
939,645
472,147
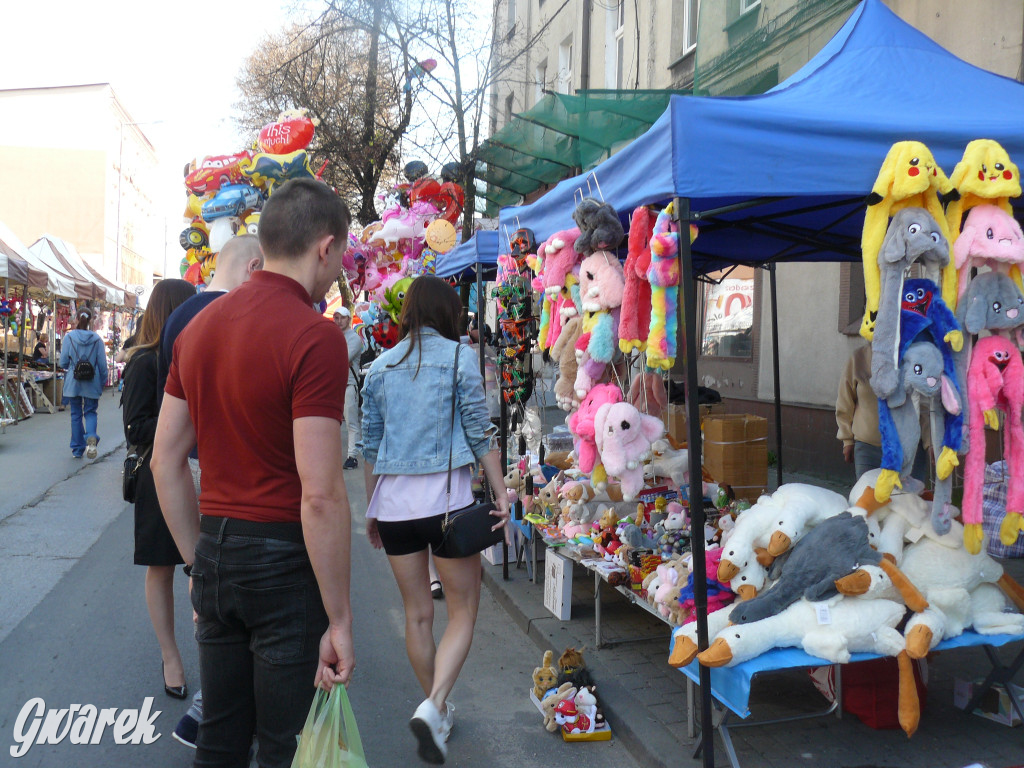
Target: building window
x,y
748,5
541,81
565,63
511,15
691,11
509,105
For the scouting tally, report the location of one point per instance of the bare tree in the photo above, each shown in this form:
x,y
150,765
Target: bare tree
x,y
346,67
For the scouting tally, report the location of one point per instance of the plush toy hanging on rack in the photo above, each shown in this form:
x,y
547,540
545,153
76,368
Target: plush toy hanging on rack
x,y
995,382
635,320
601,284
663,275
909,177
984,176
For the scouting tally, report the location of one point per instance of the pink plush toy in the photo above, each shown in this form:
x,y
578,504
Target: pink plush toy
x,y
995,379
719,594
624,436
991,237
601,286
582,423
559,258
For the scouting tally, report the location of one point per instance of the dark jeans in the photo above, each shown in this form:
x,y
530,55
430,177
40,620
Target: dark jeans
x,y
260,623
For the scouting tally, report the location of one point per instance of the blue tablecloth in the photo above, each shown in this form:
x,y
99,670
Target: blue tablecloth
x,y
731,685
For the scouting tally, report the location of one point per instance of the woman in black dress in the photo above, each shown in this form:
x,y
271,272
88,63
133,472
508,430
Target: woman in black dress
x,y
154,546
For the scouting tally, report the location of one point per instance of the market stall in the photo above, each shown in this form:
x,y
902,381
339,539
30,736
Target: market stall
x,y
784,176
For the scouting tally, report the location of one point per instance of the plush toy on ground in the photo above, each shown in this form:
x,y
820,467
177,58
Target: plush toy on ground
x,y
545,676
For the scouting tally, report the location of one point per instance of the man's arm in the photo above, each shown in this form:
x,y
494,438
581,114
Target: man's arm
x,y
326,527
175,437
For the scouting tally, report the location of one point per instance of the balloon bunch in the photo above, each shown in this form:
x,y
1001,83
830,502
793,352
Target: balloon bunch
x,y
227,192
417,225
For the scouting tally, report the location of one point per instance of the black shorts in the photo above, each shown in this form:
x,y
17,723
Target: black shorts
x,y
404,537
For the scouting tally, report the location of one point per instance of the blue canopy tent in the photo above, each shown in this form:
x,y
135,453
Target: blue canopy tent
x,y
481,248
783,176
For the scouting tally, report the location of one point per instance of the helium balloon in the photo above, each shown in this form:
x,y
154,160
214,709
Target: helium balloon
x,y
289,133
221,230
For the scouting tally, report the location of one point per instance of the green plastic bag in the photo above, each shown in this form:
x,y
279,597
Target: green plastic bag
x,y
330,738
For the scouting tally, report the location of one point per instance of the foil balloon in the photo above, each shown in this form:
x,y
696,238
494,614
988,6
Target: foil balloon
x,y
215,171
291,131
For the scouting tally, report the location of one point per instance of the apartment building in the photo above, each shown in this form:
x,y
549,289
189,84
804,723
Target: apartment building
x,y
85,172
731,48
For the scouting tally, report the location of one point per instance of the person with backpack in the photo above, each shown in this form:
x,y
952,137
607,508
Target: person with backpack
x,y
85,360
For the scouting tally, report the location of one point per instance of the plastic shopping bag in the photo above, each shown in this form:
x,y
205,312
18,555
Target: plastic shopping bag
x,y
330,738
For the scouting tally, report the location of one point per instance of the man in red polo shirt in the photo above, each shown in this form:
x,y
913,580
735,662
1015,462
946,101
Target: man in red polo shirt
x,y
258,381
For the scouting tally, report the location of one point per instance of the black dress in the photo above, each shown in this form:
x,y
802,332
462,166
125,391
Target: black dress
x,y
154,544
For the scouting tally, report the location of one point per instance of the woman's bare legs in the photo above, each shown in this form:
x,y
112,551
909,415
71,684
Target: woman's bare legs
x,y
410,573
160,602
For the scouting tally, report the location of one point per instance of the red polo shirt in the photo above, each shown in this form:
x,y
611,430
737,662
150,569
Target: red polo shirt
x,y
248,365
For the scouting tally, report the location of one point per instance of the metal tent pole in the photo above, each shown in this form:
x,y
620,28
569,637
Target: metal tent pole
x,y
775,371
21,348
7,389
687,317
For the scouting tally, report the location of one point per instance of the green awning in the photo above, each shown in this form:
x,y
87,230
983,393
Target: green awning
x,y
562,135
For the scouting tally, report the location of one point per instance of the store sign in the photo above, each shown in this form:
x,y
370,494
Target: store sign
x,y
730,306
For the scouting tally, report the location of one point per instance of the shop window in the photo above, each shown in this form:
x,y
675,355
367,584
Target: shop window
x,y
729,314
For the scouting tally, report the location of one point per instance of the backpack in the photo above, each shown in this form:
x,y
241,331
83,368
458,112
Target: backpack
x,y
84,370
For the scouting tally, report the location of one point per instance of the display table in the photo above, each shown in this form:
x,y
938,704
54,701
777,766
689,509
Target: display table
x,y
730,686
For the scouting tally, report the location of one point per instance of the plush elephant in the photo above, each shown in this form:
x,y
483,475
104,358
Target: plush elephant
x,y
912,236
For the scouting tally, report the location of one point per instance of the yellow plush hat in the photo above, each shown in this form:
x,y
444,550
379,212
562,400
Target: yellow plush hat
x,y
985,174
909,177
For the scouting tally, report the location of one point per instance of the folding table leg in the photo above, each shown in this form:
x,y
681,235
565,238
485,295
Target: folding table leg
x,y
1000,674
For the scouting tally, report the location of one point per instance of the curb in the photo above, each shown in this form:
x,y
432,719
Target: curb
x,y
647,739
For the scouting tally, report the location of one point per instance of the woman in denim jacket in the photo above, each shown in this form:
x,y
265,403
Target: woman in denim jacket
x,y
83,395
407,435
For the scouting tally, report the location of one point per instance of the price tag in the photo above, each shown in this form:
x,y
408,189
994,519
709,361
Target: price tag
x,y
824,613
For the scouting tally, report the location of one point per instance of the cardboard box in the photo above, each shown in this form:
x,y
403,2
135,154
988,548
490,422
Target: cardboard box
x,y
736,452
54,390
676,424
994,705
557,585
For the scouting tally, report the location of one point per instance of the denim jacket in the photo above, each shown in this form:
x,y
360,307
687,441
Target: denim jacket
x,y
83,345
407,414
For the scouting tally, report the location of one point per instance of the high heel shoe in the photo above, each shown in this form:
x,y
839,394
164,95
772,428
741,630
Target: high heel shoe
x,y
174,691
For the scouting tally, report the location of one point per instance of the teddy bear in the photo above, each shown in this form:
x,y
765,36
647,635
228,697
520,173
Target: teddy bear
x,y
545,676
566,691
623,437
581,423
601,286
564,353
600,228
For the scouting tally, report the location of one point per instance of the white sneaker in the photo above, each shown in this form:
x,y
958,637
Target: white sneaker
x,y
429,728
90,451
448,719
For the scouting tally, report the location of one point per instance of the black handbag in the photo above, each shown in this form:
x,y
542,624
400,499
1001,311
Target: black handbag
x,y
465,531
130,478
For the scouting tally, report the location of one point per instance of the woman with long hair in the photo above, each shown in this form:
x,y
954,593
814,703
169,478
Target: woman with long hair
x,y
408,443
81,352
154,546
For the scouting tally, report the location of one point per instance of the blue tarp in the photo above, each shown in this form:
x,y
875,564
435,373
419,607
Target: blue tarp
x,y
481,248
816,141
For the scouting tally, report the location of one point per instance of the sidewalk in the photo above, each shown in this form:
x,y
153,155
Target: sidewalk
x,y
645,700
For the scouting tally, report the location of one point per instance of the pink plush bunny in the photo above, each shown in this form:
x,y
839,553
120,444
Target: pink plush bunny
x,y
990,237
666,596
624,437
559,258
582,423
995,380
601,286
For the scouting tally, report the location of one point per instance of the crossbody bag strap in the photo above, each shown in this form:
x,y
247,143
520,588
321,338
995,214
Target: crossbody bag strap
x,y
451,443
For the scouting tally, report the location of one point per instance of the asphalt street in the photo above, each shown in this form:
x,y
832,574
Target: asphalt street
x,y
74,627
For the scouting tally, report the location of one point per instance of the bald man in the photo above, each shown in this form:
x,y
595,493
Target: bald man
x,y
236,262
